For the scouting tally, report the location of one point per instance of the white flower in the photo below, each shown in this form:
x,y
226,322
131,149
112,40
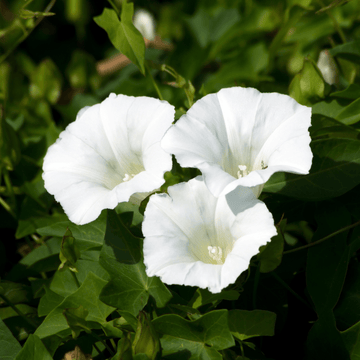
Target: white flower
x,y
144,21
193,238
111,152
240,136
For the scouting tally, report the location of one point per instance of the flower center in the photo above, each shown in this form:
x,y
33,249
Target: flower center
x,y
215,252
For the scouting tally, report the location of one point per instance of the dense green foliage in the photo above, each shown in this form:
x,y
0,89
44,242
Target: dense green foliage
x,y
64,285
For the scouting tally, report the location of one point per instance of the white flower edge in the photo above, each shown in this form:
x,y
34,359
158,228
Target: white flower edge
x,y
109,154
240,136
193,238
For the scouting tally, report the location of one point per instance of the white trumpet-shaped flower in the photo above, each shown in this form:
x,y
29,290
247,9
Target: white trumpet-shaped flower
x,y
110,153
194,238
240,136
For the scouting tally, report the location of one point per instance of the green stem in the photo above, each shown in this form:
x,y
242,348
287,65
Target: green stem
x,y
16,44
114,6
7,207
98,338
336,24
9,187
9,303
153,81
323,239
287,287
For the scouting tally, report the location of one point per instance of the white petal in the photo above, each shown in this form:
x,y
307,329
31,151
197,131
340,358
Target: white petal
x,y
181,227
108,143
241,128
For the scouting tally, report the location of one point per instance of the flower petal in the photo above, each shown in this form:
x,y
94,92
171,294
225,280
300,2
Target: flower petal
x,y
106,156
181,228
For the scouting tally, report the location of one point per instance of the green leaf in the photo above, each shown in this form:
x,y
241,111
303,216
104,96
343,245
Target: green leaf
x,y
351,92
349,51
245,324
9,347
350,114
325,341
69,253
327,262
308,86
270,255
335,170
121,257
50,248
33,349
123,34
351,338
203,297
347,311
49,302
87,236
87,295
76,319
200,338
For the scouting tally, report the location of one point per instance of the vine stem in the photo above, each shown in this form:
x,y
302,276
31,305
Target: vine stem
x,y
323,239
153,81
16,44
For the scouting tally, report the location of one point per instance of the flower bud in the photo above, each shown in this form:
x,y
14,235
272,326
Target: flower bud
x,y
146,339
327,67
144,21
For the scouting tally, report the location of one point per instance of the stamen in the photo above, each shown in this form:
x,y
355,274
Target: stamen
x,y
242,171
263,166
128,177
215,252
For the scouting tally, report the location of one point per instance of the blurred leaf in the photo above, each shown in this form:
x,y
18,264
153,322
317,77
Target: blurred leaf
x,y
245,324
87,236
308,86
208,27
350,114
349,51
69,252
16,293
121,257
8,312
87,295
335,170
33,349
351,92
199,339
123,34
9,347
203,297
9,145
351,338
82,71
46,82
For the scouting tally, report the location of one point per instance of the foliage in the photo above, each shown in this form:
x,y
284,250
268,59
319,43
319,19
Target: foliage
x,y
65,286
